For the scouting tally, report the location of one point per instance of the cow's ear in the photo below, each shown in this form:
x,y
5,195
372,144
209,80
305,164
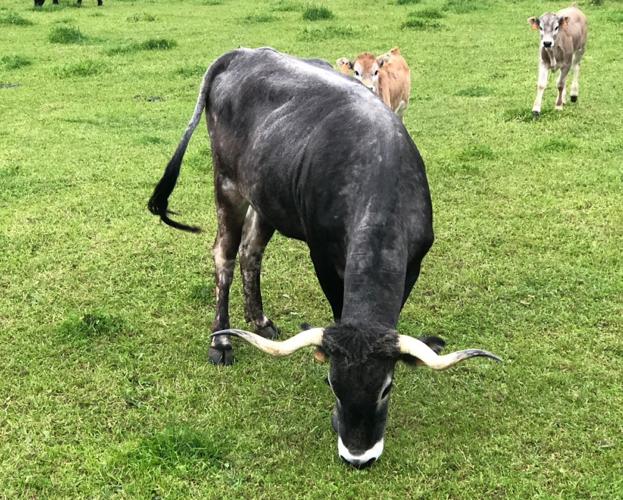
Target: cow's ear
x,y
534,22
563,21
320,355
435,343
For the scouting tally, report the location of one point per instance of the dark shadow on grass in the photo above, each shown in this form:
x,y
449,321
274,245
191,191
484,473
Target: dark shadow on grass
x,y
557,146
65,34
14,19
464,6
416,23
287,6
408,2
141,17
476,152
151,139
14,62
151,44
428,13
471,169
81,69
92,325
202,294
474,91
326,33
260,18
191,71
317,13
9,172
180,450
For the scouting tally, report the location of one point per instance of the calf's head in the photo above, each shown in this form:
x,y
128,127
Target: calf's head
x,y
549,26
365,68
362,361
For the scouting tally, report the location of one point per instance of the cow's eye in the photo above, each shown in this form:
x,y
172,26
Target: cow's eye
x,y
356,73
376,72
386,390
556,28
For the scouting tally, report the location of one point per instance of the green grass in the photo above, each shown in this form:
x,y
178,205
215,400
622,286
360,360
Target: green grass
x,y
66,35
14,19
150,44
81,69
14,62
416,23
105,313
317,13
142,17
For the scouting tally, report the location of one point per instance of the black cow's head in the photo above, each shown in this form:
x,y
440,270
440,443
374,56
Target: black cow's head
x,y
362,362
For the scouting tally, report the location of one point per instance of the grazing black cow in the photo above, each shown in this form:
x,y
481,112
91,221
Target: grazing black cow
x,y
39,3
303,150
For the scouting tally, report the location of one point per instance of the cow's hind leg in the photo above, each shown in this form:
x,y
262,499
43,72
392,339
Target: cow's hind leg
x,y
231,208
575,84
256,234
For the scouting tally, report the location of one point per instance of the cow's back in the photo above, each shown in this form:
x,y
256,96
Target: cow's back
x,y
301,139
576,27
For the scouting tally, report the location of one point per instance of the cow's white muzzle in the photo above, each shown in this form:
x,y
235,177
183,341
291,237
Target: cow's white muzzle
x,y
362,460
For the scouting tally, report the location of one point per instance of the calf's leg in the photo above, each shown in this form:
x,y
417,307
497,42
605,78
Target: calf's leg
x,y
575,84
256,234
541,85
560,101
230,208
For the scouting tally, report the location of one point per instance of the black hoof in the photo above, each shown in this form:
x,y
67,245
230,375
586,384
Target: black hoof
x,y
334,419
270,331
536,115
220,357
574,98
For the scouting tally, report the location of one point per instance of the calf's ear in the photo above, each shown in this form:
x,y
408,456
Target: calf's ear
x,y
343,64
435,343
563,21
534,22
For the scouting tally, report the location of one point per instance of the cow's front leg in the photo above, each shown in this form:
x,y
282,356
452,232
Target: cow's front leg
x,y
560,101
540,88
256,234
230,208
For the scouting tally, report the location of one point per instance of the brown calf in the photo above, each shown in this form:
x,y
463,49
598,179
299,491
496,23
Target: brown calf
x,y
563,41
388,76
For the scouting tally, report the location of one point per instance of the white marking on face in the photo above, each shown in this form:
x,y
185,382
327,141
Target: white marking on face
x,y
373,453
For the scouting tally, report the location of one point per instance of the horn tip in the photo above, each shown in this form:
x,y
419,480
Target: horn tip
x,y
485,354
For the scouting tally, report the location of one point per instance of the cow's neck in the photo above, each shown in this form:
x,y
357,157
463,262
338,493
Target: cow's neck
x,y
374,275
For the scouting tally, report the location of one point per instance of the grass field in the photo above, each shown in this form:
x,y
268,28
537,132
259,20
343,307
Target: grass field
x,y
105,313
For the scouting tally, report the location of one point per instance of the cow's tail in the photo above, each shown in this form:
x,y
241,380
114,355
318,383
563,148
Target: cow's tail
x,y
159,202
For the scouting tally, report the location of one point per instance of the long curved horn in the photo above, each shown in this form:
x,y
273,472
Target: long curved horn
x,y
303,339
418,349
